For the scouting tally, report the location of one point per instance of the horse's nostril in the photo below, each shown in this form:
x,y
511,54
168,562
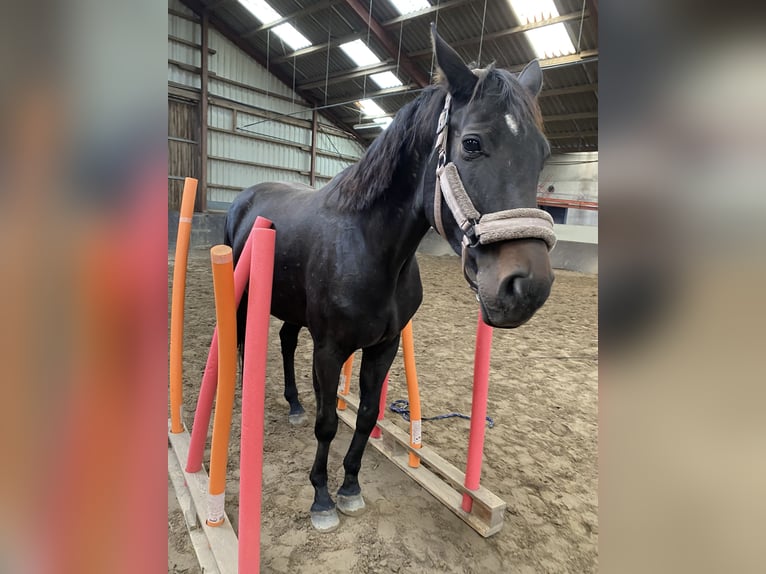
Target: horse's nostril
x,y
514,285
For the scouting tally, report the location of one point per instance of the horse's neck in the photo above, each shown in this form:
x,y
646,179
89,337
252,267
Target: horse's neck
x,y
402,222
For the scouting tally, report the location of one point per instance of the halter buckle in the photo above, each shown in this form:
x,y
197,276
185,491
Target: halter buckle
x,y
470,238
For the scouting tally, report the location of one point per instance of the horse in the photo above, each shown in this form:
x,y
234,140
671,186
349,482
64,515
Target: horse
x,y
464,157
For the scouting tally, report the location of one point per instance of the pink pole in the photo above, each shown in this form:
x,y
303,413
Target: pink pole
x,y
381,407
478,410
210,377
253,397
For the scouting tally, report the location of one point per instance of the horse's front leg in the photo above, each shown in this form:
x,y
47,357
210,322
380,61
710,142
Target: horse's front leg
x,y
288,338
327,366
376,361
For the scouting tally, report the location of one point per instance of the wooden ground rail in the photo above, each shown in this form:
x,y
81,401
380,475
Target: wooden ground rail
x,y
216,547
437,475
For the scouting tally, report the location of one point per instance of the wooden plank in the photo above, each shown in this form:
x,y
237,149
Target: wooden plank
x,y
221,539
199,541
436,475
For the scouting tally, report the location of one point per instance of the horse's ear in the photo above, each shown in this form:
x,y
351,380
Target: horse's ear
x,y
460,80
531,77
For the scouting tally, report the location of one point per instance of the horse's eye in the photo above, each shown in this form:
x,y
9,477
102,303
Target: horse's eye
x,y
471,145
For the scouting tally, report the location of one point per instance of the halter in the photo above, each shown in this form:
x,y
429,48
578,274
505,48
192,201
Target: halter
x,y
478,229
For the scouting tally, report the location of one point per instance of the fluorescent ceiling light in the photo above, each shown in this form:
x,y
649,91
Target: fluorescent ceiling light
x,y
359,53
386,80
291,36
380,123
372,110
261,10
549,41
384,122
407,6
265,14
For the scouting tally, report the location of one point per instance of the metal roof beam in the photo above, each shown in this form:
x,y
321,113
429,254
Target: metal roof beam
x,y
570,135
572,116
345,75
582,58
402,90
593,8
569,90
395,91
411,69
215,4
504,33
316,48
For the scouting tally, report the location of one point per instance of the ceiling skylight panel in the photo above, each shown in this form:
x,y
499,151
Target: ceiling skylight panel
x,y
370,108
265,14
548,41
359,53
386,80
291,36
407,6
261,10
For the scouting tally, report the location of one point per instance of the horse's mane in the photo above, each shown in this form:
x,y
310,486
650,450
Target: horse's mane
x,y
360,185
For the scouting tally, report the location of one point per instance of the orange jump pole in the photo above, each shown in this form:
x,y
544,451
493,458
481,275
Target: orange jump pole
x,y
345,381
381,408
413,393
177,305
225,311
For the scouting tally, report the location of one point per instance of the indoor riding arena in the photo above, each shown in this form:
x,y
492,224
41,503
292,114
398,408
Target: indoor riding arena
x,y
293,91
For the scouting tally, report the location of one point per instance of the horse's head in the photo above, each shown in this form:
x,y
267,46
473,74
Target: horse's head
x,y
491,157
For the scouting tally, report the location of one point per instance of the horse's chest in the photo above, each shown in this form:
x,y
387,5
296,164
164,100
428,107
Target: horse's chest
x,y
376,303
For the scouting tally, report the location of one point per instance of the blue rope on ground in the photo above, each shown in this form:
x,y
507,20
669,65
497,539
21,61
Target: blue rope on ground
x,y
402,407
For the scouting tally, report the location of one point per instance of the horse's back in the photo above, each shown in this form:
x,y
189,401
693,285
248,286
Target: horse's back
x,y
329,269
278,202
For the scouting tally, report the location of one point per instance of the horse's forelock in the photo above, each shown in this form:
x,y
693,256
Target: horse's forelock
x,y
504,85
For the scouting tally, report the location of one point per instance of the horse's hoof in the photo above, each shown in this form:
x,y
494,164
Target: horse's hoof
x,y
325,520
351,505
296,419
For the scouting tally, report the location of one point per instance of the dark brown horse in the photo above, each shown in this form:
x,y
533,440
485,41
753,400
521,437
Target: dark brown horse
x,y
345,254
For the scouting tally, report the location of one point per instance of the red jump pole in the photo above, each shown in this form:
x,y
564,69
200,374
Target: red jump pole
x,y
478,410
210,377
253,396
381,408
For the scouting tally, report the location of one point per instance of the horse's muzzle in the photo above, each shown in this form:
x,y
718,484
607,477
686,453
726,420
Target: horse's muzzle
x,y
514,279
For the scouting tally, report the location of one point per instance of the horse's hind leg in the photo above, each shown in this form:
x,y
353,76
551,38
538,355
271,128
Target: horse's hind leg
x,y
327,365
375,364
288,337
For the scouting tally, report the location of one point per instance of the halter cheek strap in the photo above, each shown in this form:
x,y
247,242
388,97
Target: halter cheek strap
x,y
478,229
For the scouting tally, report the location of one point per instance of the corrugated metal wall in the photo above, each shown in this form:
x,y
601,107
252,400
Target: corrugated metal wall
x,y
573,176
258,129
